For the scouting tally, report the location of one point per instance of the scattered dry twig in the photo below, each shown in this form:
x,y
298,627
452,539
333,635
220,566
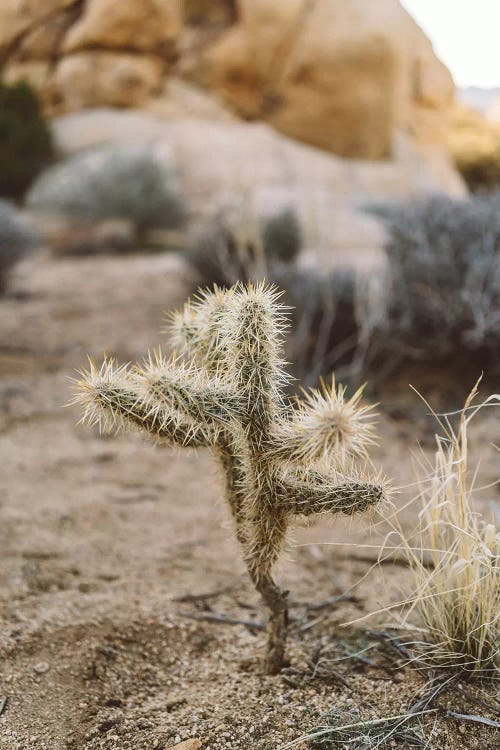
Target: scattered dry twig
x,y
436,690
472,717
184,598
213,617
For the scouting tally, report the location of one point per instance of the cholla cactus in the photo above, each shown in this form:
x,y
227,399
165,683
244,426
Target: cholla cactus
x,y
226,392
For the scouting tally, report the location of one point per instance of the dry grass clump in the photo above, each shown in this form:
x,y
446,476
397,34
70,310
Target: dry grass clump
x,y
457,597
349,730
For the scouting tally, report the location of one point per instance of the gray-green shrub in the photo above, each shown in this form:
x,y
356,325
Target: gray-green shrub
x,y
16,239
114,181
443,274
224,251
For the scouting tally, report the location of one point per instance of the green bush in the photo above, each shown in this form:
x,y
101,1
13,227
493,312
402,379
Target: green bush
x,y
25,142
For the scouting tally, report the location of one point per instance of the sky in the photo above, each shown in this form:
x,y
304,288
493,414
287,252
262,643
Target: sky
x,y
465,35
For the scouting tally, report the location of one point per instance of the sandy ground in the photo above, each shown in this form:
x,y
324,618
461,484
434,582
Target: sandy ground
x,y
110,549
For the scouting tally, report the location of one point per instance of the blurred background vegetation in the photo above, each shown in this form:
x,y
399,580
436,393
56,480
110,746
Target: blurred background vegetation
x,y
352,174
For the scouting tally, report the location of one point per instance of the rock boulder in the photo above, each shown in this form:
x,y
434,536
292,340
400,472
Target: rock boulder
x,y
341,75
348,76
146,26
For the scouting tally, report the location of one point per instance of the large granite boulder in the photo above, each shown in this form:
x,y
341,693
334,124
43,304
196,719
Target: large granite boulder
x,y
346,75
340,74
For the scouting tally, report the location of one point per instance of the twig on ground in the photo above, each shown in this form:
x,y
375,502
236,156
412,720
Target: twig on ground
x,y
332,601
223,619
472,717
437,689
202,597
393,643
495,709
389,560
303,626
3,704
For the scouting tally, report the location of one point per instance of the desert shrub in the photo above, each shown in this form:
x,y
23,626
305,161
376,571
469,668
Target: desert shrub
x,y
437,295
282,236
112,182
332,312
16,239
443,275
225,250
25,141
325,330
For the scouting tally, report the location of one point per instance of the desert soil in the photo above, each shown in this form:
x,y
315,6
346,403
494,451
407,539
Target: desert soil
x,y
111,548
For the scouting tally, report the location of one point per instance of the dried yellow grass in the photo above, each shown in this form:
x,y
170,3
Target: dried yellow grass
x,y
457,596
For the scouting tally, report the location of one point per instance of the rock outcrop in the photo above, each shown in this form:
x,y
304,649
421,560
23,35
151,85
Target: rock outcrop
x,y
138,25
121,79
341,75
344,75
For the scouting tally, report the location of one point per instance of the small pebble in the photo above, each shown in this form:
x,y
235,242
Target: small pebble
x,y
41,667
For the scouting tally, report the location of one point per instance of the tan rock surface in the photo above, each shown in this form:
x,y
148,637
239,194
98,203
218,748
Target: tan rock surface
x,y
179,99
144,25
341,75
218,157
346,76
86,79
17,16
43,40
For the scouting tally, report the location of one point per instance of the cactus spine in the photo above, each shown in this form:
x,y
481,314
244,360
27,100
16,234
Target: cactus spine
x,y
226,392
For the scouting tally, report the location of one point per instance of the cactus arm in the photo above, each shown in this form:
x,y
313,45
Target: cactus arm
x,y
110,398
310,492
185,388
196,330
253,335
325,425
